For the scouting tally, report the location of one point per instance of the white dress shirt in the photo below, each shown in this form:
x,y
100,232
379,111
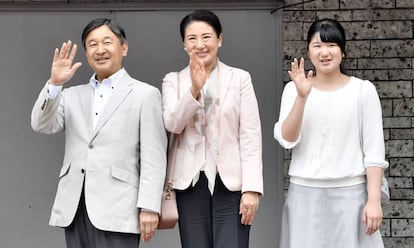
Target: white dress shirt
x,y
103,91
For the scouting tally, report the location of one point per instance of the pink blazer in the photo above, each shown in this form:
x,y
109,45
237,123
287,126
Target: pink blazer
x,y
239,161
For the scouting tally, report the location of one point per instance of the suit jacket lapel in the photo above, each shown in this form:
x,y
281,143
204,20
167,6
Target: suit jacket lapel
x,y
118,96
224,79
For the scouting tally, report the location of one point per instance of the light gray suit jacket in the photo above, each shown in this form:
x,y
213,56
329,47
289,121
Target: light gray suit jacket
x,y
121,162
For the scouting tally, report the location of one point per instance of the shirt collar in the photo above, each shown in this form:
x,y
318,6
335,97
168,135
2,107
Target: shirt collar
x,y
112,81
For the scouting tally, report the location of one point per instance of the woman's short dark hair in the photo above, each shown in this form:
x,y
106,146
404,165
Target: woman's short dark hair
x,y
203,16
111,24
329,30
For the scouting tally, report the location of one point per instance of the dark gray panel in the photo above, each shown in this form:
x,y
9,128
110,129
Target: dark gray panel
x,y
30,162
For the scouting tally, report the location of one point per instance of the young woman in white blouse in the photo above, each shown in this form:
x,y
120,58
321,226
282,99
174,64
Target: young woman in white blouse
x,y
334,197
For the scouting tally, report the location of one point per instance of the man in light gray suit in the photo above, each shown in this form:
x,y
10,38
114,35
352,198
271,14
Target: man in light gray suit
x,y
111,181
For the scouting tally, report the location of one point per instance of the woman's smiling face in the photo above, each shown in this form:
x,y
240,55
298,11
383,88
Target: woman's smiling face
x,y
201,39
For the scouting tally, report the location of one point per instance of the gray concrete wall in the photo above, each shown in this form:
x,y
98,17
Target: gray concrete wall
x,y
30,162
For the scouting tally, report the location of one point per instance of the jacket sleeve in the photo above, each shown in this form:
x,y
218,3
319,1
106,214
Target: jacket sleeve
x,y
48,114
178,104
250,138
153,150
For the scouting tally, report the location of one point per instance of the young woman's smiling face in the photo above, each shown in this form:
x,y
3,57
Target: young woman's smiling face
x,y
325,56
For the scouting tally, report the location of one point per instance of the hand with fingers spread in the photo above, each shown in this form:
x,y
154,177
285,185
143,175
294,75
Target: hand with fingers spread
x,y
63,67
198,74
148,222
249,204
297,75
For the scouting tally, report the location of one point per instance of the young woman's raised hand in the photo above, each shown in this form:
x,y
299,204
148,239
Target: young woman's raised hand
x,y
297,75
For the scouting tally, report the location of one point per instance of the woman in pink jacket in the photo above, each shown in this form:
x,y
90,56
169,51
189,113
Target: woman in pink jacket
x,y
212,109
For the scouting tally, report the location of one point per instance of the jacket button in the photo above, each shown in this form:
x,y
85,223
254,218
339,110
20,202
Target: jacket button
x,y
90,146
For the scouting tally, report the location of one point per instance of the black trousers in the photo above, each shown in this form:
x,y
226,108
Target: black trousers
x,y
82,234
211,221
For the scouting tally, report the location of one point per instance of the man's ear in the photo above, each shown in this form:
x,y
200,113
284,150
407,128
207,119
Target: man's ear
x,y
125,48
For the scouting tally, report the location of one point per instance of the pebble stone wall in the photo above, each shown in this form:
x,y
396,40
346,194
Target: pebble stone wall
x,y
380,48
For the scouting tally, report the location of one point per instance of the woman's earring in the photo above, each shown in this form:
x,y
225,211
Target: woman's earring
x,y
219,45
185,49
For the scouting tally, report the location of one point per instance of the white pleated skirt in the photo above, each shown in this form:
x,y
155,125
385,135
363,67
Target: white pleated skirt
x,y
326,218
